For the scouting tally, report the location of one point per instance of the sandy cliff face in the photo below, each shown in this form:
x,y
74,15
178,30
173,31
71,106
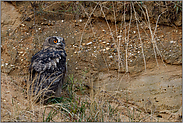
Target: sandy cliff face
x,y
10,18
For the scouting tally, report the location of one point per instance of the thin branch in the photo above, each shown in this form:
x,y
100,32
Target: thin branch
x,y
88,17
126,41
86,25
139,36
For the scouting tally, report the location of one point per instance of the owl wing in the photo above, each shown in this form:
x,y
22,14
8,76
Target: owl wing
x,y
47,59
47,63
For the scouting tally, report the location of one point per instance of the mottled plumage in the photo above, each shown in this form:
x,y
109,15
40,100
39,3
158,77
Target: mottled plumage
x,y
48,67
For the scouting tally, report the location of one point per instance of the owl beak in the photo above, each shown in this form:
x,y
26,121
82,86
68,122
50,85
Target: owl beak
x,y
60,44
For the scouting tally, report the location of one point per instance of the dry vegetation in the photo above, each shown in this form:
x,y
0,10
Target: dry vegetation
x,y
74,106
80,102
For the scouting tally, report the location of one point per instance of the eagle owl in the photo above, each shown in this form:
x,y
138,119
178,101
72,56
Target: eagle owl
x,y
48,68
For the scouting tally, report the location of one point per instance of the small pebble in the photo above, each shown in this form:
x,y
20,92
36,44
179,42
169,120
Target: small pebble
x,y
119,36
110,57
107,48
89,43
172,42
23,25
80,20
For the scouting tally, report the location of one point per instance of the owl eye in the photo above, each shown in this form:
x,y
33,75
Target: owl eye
x,y
55,41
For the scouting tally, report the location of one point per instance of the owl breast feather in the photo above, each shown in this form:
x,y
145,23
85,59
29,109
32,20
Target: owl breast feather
x,y
48,59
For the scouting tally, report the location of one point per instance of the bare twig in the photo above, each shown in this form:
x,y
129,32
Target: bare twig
x,y
107,23
155,47
86,25
126,41
139,36
88,17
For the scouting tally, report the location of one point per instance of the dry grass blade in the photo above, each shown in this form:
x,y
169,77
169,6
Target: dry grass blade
x,y
152,37
101,8
155,47
36,92
126,42
129,28
114,11
86,25
118,42
139,36
88,18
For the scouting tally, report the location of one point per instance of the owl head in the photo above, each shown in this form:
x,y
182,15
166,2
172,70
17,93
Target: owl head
x,y
54,41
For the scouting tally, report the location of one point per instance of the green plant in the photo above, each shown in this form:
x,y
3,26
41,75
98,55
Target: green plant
x,y
50,116
177,6
79,109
